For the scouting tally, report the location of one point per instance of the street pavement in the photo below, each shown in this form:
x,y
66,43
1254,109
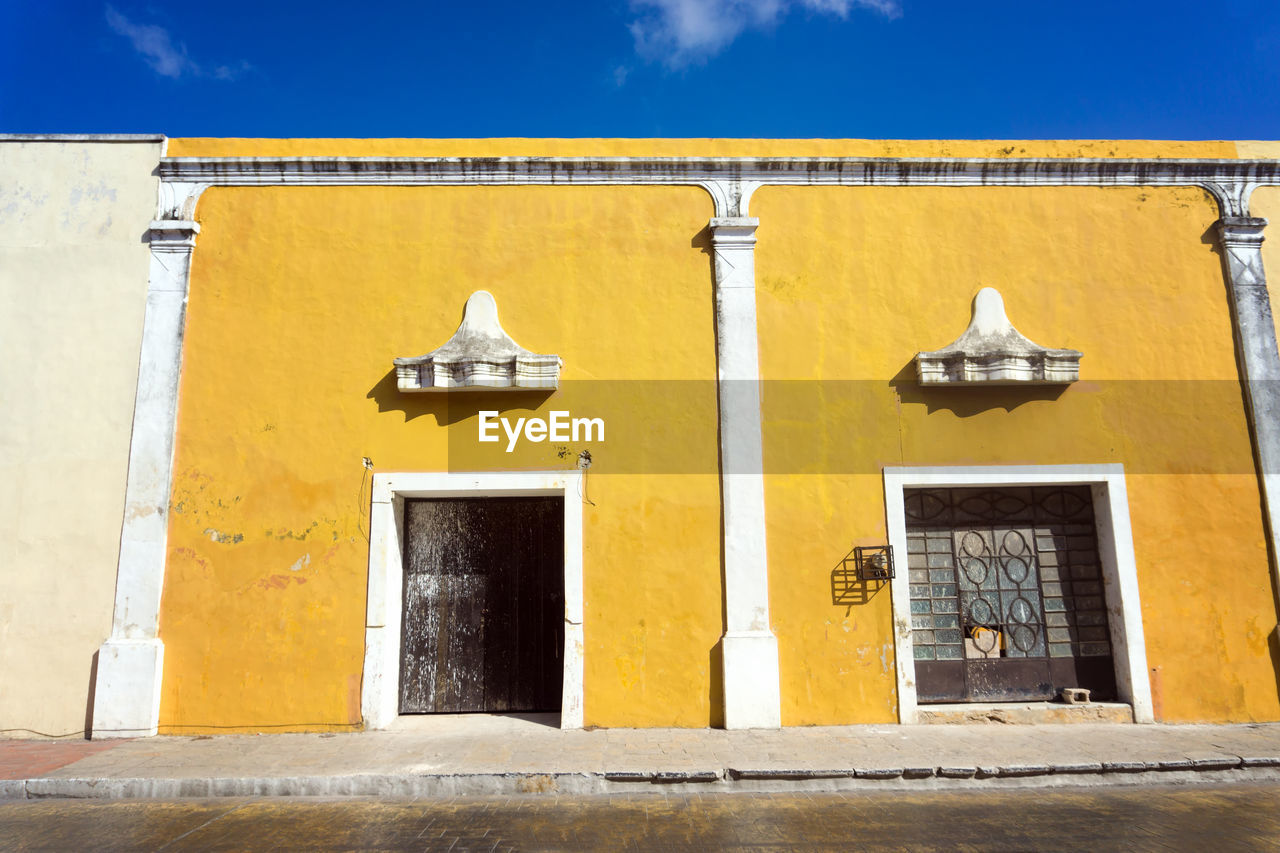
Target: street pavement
x,y
1210,817
470,755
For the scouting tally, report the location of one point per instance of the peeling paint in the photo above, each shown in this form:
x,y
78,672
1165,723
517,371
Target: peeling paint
x,y
293,534
278,581
142,510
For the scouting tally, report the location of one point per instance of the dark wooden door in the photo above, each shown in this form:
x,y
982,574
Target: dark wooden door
x,y
483,626
1007,599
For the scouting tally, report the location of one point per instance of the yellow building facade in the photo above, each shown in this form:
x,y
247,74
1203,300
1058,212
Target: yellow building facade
x,y
748,322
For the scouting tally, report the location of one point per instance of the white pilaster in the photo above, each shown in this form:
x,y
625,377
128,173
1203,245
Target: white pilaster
x,y
380,691
1255,334
130,662
751,684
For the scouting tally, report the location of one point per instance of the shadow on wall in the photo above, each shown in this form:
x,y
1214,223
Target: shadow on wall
x,y
1273,647
93,688
702,242
716,717
452,407
848,588
965,401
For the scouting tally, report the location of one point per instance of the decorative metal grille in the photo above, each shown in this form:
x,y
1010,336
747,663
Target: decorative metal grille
x,y
1004,574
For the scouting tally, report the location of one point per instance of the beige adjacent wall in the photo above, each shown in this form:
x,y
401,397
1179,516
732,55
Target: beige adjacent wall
x,y
73,281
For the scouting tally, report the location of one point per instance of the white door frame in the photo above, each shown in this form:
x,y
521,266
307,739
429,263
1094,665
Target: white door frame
x,y
1115,551
380,694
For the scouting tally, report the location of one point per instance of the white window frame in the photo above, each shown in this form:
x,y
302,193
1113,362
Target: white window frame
x,y
1115,551
380,693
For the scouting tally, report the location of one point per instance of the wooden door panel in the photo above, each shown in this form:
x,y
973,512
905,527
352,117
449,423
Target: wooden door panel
x,y
483,621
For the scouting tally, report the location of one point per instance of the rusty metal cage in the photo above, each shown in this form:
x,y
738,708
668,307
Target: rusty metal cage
x,y
875,562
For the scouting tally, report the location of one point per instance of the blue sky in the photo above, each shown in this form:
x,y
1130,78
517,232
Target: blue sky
x,y
642,68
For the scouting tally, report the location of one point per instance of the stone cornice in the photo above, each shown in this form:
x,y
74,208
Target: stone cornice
x,y
992,352
729,180
479,356
82,137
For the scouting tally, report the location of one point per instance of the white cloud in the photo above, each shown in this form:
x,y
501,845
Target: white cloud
x,y
232,71
166,57
679,32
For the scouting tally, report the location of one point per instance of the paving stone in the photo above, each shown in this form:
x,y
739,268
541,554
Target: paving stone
x,y
1023,770
879,773
1260,761
789,773
957,772
1080,767
671,777
1203,817
1125,767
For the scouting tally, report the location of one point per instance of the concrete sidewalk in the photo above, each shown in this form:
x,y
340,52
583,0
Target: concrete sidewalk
x,y
464,755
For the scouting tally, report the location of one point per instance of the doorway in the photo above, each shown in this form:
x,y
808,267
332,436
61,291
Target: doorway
x,y
483,605
1108,502
1007,600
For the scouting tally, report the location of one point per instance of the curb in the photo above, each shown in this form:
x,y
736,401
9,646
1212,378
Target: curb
x,y
729,780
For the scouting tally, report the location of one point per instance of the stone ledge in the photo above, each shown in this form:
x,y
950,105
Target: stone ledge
x,y
661,777
788,774
1126,773
1128,767
1267,761
957,772
1028,713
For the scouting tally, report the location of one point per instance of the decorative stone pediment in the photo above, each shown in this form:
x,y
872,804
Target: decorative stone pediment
x,y
479,356
991,351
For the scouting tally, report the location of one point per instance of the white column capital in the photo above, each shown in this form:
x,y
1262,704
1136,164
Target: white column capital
x,y
735,231
173,235
1241,238
1241,231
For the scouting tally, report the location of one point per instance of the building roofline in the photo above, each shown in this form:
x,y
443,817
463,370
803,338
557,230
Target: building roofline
x,y
82,137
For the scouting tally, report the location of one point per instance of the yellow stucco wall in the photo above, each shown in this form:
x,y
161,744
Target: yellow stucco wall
x,y
853,282
73,282
300,297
